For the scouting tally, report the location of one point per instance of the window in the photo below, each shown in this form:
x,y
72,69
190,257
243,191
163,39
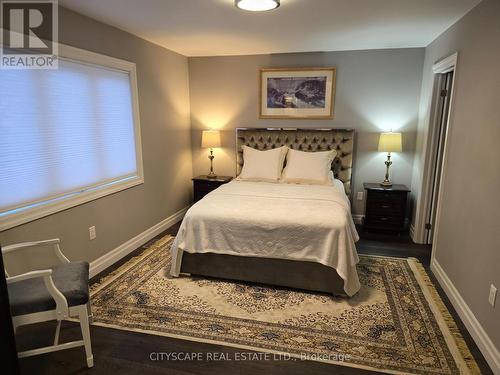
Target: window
x,y
67,136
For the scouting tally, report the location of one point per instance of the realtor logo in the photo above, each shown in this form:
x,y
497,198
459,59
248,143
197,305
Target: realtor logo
x,y
29,34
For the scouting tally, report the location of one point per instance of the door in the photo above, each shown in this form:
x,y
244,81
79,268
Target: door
x,y
441,131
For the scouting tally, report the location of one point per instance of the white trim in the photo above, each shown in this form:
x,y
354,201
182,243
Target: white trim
x,y
483,341
358,219
113,256
412,232
444,65
424,198
30,211
13,220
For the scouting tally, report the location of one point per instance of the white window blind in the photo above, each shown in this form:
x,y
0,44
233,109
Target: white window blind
x,y
66,136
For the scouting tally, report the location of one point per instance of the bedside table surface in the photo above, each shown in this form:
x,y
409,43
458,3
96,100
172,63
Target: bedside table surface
x,y
223,179
377,186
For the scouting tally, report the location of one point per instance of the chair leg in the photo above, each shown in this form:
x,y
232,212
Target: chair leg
x,y
84,325
58,330
89,312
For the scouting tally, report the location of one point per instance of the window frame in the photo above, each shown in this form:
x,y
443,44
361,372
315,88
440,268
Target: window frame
x,y
31,211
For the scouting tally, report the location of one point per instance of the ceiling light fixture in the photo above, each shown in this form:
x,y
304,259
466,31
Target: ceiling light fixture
x,y
257,5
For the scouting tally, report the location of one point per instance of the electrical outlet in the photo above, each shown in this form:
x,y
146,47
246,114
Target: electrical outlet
x,y
359,196
493,295
92,233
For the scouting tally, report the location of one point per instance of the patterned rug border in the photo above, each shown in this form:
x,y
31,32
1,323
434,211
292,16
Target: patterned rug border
x,y
105,280
246,347
451,333
453,337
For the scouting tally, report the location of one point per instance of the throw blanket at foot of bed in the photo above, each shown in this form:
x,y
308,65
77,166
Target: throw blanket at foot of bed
x,y
309,223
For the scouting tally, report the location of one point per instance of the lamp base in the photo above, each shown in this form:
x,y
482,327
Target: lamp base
x,y
211,157
388,163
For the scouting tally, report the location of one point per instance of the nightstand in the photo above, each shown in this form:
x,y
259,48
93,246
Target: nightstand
x,y
203,185
385,207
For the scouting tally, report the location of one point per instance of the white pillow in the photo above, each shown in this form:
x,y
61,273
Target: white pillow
x,y
308,167
262,165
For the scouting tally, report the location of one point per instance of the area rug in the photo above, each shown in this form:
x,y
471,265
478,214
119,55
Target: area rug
x,y
395,324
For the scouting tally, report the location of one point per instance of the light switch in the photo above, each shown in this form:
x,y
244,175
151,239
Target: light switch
x,y
493,295
92,233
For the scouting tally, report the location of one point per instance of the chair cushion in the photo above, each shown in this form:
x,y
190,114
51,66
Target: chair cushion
x,y
31,296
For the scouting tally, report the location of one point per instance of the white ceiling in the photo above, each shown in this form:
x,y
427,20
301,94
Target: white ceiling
x,y
217,27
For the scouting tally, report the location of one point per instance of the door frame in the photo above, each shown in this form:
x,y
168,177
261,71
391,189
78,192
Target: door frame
x,y
444,65
437,153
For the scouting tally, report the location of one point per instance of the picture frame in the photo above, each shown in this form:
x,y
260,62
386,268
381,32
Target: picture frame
x,y
297,93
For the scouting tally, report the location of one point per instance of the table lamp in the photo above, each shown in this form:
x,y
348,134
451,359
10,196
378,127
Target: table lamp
x,y
389,142
210,139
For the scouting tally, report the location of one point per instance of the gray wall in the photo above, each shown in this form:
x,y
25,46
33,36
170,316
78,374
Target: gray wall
x,y
468,241
376,90
165,123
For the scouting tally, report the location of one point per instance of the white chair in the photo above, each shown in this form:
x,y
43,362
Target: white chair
x,y
51,294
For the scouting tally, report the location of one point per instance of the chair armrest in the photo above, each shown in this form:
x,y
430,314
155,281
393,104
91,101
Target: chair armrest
x,y
26,245
28,275
61,302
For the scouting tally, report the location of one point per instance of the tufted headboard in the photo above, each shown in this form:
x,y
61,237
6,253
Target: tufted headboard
x,y
311,140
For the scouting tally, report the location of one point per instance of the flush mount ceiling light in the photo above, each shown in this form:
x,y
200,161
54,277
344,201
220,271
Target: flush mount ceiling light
x,y
257,5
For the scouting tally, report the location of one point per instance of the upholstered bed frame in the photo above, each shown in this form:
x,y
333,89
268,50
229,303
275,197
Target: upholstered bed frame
x,y
309,140
286,273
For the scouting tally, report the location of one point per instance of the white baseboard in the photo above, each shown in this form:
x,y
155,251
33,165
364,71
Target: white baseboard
x,y
358,219
483,341
108,259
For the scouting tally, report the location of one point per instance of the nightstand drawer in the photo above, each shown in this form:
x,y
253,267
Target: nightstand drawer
x,y
384,219
202,191
207,185
387,197
384,223
385,208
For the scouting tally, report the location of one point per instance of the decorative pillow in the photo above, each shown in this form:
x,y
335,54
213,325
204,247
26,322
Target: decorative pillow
x,y
262,165
308,167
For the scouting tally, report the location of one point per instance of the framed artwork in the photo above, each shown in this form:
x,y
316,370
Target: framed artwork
x,y
297,93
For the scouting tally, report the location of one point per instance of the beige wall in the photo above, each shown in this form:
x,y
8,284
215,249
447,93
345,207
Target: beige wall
x,y
164,114
376,90
468,241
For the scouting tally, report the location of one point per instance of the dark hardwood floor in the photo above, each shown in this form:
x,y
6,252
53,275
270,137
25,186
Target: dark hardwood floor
x,y
122,352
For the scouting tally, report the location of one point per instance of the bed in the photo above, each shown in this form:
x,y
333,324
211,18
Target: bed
x,y
289,235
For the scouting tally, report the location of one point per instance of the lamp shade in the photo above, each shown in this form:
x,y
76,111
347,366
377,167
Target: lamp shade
x,y
210,138
390,142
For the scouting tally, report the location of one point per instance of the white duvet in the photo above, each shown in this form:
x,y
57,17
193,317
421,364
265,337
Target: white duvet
x,y
271,220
